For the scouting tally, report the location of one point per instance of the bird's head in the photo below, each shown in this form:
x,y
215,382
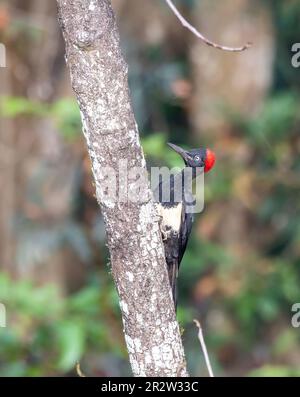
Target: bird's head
x,y
196,157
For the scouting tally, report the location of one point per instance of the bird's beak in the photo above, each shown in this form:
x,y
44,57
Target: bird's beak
x,y
183,153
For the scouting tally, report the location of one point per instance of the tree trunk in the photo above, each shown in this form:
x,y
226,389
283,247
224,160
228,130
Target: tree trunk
x,y
99,79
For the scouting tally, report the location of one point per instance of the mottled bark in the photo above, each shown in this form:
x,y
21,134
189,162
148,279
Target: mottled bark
x,y
99,79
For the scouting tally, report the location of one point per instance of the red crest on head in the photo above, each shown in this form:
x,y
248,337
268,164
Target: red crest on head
x,y
210,160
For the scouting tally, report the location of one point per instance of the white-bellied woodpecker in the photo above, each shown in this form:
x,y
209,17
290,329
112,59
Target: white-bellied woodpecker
x,y
173,196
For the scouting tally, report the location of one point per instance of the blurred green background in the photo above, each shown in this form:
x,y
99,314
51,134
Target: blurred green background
x,y
240,275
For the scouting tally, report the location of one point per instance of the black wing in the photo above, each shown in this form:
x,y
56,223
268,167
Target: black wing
x,y
187,223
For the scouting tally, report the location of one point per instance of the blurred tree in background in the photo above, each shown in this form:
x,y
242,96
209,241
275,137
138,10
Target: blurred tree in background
x,y
240,275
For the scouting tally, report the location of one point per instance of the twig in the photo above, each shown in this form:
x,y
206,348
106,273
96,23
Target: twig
x,y
192,29
203,346
78,370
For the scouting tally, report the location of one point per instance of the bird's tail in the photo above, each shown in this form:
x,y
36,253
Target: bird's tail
x,y
173,275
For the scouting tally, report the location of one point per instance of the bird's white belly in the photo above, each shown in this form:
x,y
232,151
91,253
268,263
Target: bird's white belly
x,y
171,217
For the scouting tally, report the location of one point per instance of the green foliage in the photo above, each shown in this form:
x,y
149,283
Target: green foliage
x,y
155,147
241,286
20,106
64,113
275,371
67,118
278,119
47,333
71,343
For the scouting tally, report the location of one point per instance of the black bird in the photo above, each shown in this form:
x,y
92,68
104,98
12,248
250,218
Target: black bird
x,y
174,199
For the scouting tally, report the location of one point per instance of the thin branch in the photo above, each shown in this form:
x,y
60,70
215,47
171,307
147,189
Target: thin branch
x,y
203,346
192,29
78,370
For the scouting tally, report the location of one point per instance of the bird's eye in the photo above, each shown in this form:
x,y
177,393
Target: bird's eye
x,y
197,158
